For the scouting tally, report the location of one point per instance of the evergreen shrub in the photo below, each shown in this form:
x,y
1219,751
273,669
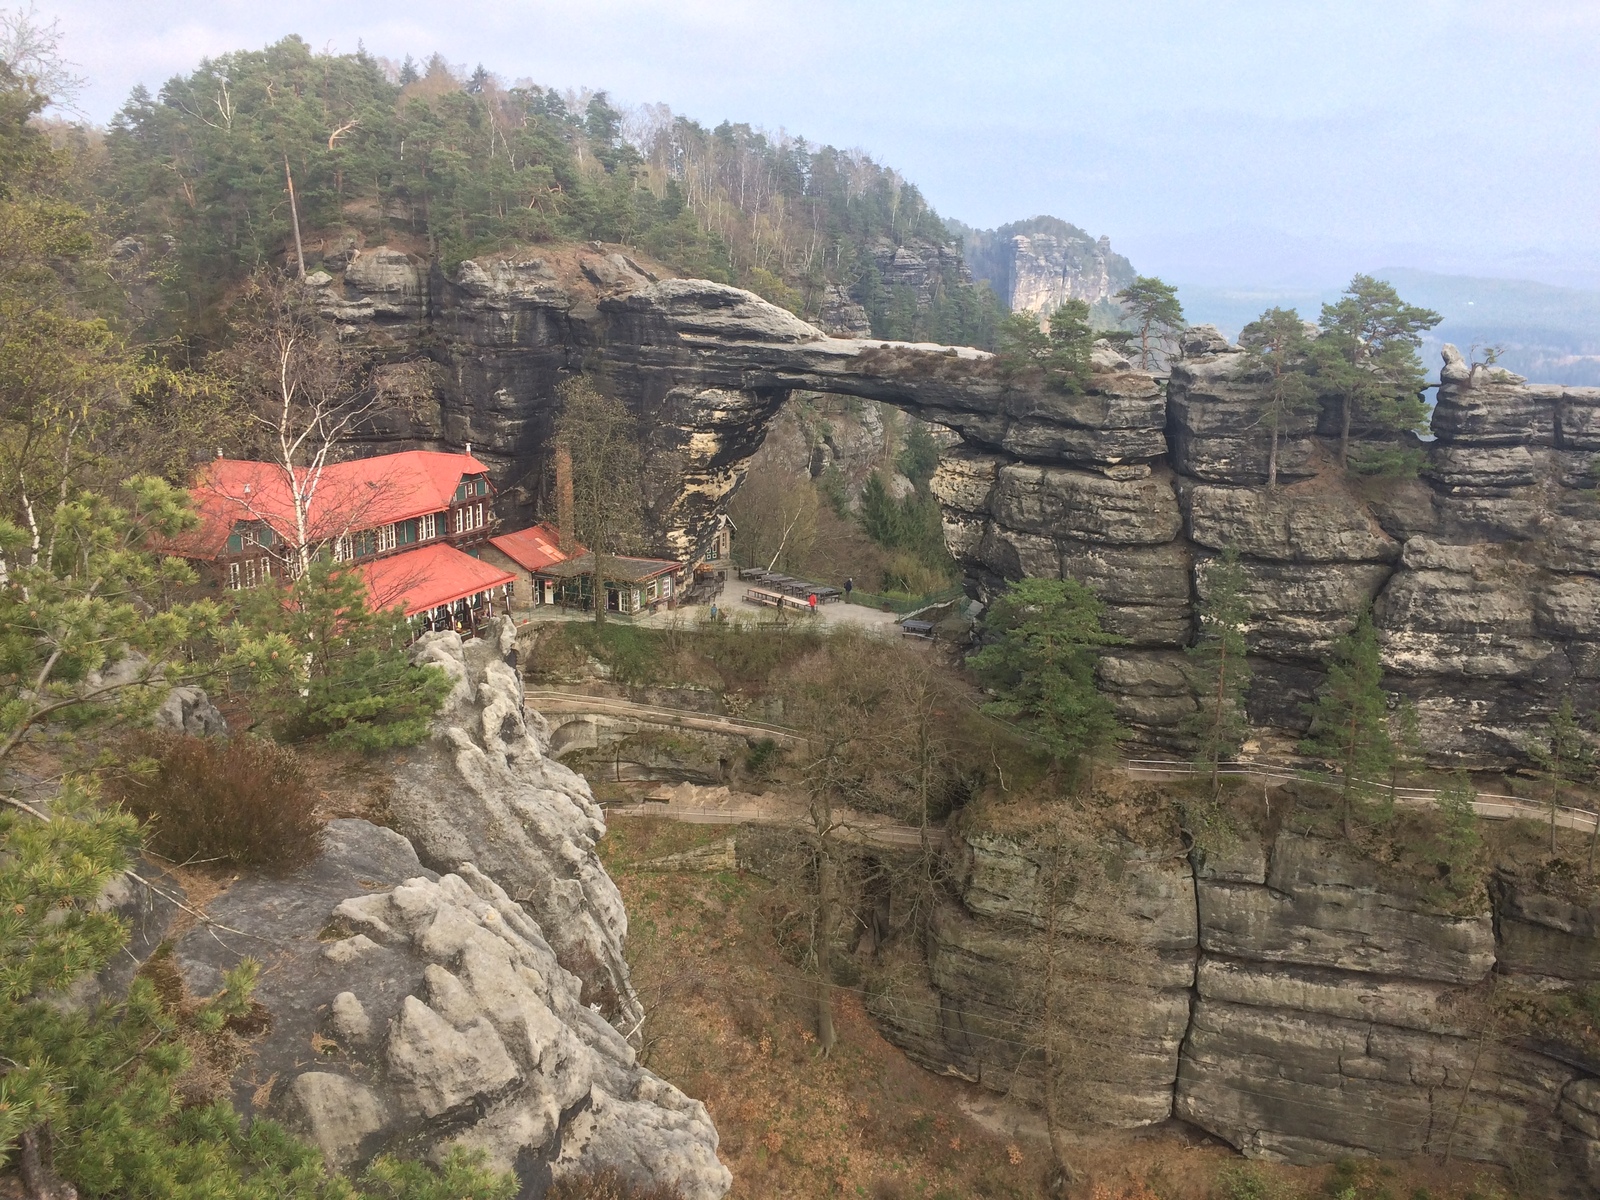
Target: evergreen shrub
x,y
245,799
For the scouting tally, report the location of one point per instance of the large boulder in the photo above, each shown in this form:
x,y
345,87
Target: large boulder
x,y
412,1012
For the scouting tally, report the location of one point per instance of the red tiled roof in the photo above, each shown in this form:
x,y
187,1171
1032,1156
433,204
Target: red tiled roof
x,y
534,548
428,577
349,496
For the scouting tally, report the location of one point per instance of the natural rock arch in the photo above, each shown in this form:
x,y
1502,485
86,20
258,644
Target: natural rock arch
x,y
1485,573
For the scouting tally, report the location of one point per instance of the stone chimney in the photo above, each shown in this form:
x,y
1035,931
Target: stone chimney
x,y
564,497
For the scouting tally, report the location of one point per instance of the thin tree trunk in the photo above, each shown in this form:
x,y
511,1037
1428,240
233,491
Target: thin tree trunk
x,y
294,214
1064,1176
1272,454
1344,435
826,1035
1216,722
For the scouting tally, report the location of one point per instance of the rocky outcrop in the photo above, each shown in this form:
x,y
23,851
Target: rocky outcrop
x,y
919,265
484,789
1125,973
1037,265
413,1012
461,985
1291,997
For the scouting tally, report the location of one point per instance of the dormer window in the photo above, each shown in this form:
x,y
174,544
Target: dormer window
x,y
245,536
468,488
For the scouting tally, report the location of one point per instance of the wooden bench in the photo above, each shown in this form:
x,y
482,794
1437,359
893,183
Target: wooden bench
x,y
764,598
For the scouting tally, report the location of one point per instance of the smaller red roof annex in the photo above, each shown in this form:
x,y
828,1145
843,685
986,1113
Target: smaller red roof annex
x,y
428,577
534,548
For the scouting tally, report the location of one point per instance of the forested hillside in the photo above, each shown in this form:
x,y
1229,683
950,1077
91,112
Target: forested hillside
x,y
465,166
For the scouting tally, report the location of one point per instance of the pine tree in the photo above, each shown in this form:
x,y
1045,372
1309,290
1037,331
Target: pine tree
x,y
1276,346
1566,755
1350,721
1047,640
1218,666
1060,355
1366,360
409,72
1153,306
325,662
1459,838
1071,342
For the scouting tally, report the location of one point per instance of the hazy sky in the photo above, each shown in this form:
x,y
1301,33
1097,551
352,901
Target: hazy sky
x,y
1215,141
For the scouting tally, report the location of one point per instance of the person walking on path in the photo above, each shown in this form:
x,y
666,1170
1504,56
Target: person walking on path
x,y
849,586
812,600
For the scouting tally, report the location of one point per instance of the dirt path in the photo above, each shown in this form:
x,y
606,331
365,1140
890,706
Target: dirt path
x,y
697,805
546,701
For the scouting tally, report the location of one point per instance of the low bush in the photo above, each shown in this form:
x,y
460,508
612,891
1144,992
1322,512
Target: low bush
x,y
244,799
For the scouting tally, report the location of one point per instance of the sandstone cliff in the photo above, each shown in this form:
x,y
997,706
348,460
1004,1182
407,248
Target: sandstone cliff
x,y
1282,992
1038,264
1485,573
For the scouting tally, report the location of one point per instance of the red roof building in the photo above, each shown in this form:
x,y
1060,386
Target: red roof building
x,y
433,578
526,553
412,522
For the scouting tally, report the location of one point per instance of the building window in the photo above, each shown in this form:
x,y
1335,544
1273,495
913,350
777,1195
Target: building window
x,y
233,576
430,526
386,538
266,569
250,573
343,551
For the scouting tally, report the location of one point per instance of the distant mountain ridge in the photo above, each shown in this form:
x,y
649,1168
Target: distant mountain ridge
x,y
1546,333
1037,264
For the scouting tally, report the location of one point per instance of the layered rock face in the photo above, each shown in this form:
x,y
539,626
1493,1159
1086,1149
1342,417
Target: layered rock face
x,y
1290,998
1485,573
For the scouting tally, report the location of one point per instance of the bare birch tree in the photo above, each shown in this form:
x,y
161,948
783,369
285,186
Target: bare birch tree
x,y
607,475
307,396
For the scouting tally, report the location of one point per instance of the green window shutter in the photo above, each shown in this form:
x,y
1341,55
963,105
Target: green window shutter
x,y
235,542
